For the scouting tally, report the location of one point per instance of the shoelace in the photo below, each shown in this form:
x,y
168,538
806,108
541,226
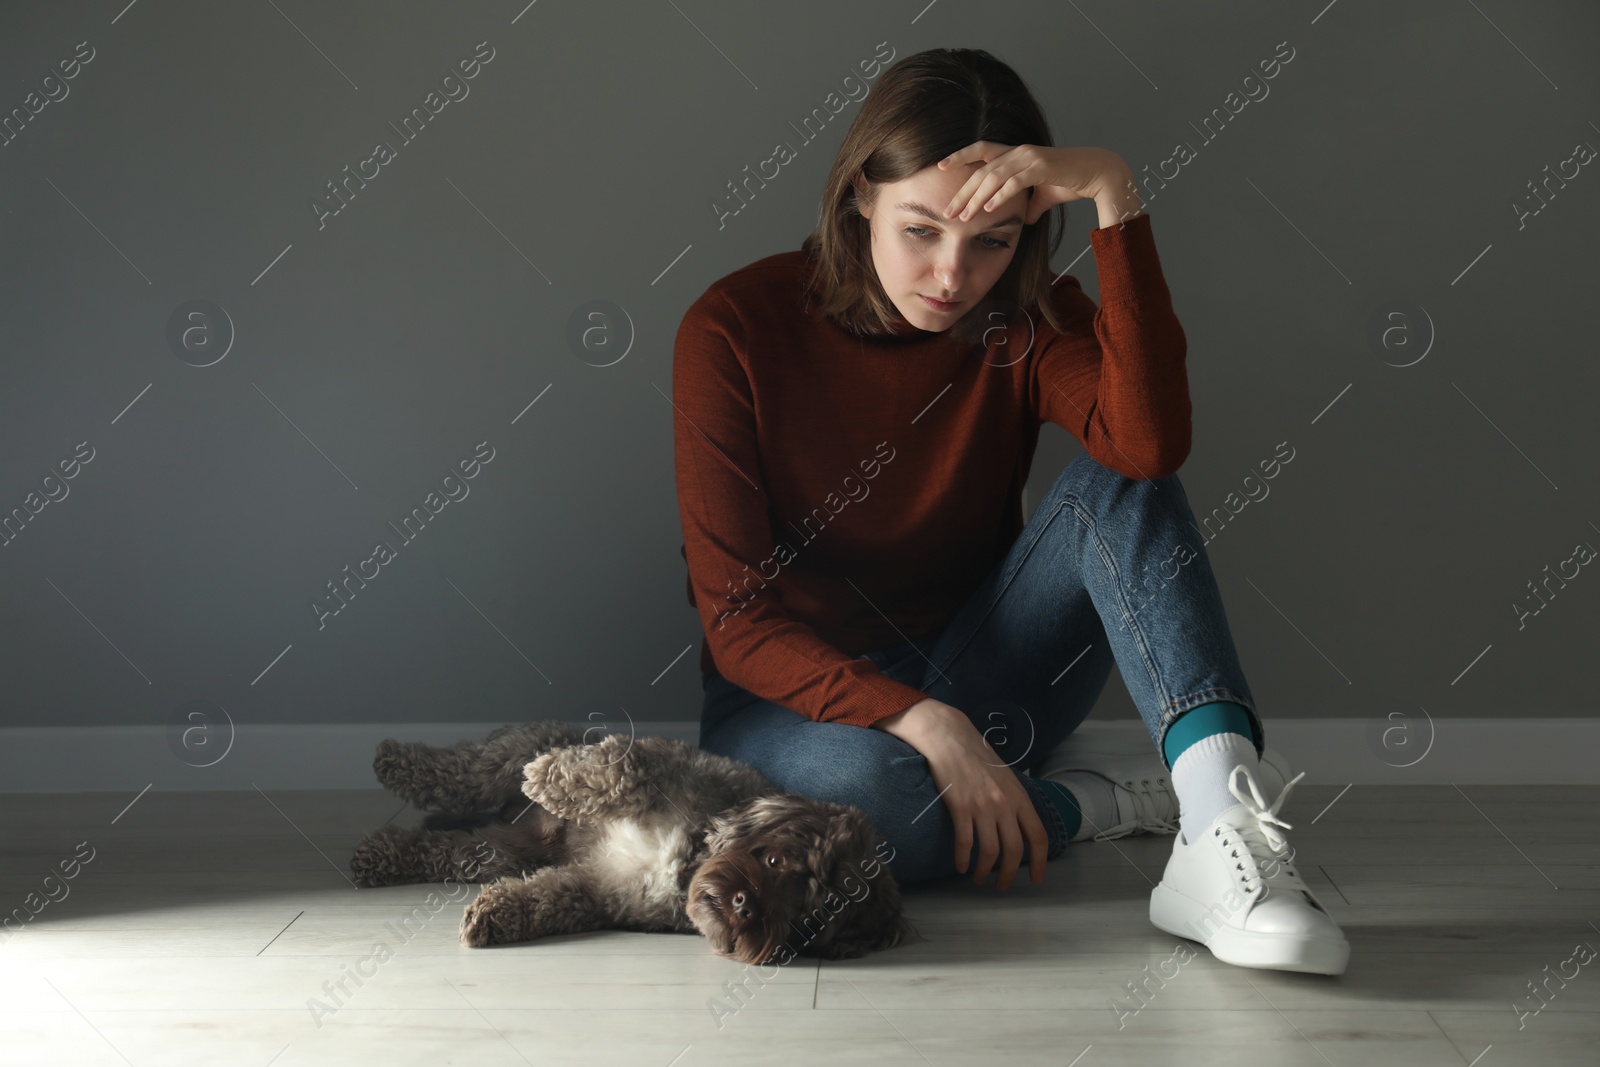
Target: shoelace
x,y
1264,863
1154,808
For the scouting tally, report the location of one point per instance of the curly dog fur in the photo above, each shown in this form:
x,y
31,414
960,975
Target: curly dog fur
x,y
633,833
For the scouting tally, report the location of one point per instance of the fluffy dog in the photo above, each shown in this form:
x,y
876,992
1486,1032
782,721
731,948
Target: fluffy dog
x,y
637,834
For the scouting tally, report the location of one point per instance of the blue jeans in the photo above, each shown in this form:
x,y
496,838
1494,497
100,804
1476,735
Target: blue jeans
x,y
1107,568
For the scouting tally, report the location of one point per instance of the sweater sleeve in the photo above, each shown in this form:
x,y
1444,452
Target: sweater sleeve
x,y
1116,378
736,577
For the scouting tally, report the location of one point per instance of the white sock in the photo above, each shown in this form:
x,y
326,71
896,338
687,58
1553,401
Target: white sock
x,y
1096,797
1200,778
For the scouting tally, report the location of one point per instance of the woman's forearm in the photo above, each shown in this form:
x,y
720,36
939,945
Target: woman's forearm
x,y
1117,198
908,724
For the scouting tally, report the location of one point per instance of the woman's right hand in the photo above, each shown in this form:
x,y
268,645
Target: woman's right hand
x,y
983,794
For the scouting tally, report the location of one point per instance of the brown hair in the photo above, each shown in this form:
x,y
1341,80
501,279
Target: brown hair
x,y
922,109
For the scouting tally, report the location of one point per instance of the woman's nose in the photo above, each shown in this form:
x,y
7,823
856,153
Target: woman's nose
x,y
950,272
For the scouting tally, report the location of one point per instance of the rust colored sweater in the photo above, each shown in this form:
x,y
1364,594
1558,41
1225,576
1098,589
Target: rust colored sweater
x,y
842,494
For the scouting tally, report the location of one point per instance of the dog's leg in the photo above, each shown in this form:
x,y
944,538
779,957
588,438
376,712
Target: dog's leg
x,y
426,776
399,856
625,777
588,781
551,900
469,775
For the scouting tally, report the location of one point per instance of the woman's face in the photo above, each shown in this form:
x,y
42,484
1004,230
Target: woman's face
x,y
919,253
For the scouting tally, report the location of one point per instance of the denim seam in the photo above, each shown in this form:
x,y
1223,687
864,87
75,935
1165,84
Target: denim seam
x,y
1150,665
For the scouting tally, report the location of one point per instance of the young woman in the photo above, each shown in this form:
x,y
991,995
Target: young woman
x,y
855,421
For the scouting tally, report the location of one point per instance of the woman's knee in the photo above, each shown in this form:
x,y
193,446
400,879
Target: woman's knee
x,y
842,764
1095,488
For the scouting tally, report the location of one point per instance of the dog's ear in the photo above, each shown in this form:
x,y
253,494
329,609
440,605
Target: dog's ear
x,y
871,919
869,923
748,819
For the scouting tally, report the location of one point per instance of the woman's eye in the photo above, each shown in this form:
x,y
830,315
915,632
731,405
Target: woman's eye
x,y
995,242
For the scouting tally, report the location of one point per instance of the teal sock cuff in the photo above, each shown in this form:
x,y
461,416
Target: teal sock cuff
x,y
1065,803
1221,717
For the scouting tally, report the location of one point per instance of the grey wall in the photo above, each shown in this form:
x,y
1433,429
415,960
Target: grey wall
x,y
370,352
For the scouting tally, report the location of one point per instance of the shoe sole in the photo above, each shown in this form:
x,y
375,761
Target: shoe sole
x,y
1177,914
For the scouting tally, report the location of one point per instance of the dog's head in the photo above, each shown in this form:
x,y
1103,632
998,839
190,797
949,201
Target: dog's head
x,y
790,876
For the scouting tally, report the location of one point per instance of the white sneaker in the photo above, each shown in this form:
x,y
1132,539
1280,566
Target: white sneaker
x,y
1146,801
1235,890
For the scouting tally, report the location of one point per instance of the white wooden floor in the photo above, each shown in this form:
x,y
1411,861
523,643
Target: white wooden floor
x,y
206,922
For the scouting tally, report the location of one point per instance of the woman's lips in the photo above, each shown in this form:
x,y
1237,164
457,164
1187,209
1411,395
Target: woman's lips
x,y
940,305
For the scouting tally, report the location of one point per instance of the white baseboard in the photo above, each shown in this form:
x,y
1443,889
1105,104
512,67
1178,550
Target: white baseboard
x,y
310,756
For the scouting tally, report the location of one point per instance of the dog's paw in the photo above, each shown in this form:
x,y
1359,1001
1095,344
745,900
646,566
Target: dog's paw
x,y
547,781
362,871
497,917
582,781
396,766
373,863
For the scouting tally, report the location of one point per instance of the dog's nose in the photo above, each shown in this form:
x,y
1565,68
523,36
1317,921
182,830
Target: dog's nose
x,y
741,905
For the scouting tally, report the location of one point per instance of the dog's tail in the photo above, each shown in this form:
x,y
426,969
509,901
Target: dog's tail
x,y
457,820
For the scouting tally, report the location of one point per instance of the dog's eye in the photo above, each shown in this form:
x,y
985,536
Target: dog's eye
x,y
772,859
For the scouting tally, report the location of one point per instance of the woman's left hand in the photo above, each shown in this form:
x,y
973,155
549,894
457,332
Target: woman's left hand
x,y
1055,174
